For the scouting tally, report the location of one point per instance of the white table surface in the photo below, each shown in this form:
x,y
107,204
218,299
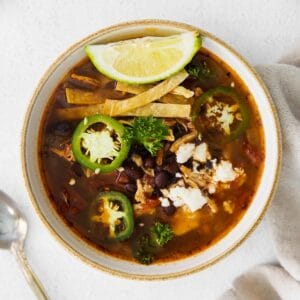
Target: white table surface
x,y
32,34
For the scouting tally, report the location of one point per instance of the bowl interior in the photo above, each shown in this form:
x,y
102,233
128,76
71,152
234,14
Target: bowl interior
x,y
88,253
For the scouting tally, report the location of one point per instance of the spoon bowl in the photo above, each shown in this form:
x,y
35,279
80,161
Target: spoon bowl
x,y
13,227
13,230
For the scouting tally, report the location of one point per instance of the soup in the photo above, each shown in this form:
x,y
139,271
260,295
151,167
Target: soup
x,y
161,181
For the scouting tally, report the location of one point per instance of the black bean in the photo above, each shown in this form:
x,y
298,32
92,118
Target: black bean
x,y
170,157
172,168
157,169
216,153
140,150
178,130
62,129
149,162
169,210
131,187
162,179
156,193
132,170
174,179
189,163
208,165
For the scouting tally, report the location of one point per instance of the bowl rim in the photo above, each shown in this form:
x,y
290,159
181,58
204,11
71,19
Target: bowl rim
x,y
43,81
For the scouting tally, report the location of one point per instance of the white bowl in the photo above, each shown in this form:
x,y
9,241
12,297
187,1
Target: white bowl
x,y
113,265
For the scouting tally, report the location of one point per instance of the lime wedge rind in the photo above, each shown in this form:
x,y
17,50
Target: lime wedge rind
x,y
104,56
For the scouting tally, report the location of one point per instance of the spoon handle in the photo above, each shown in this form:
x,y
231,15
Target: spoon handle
x,y
30,276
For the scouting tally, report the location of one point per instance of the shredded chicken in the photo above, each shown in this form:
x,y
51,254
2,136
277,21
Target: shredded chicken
x,y
182,140
212,205
65,153
201,179
144,189
170,137
160,157
140,193
88,172
137,159
146,208
198,91
187,177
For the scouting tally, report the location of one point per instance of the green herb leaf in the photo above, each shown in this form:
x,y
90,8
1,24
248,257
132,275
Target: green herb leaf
x,y
199,72
161,233
148,131
151,242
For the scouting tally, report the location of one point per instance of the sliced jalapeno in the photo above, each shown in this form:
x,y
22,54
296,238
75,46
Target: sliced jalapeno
x,y
221,114
114,211
97,143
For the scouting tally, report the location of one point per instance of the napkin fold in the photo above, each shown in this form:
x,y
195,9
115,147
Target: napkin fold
x,y
270,282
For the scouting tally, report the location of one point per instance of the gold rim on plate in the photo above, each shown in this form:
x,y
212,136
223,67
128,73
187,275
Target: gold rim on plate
x,y
38,89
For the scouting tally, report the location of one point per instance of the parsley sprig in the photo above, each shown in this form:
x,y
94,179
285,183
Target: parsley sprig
x,y
148,131
200,71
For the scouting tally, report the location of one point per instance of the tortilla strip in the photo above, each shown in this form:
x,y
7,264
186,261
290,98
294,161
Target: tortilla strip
x,y
87,80
77,96
174,99
114,108
85,97
138,89
182,91
159,110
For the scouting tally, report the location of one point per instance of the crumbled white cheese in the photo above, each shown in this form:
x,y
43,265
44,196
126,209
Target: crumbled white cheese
x,y
211,188
191,197
178,175
224,172
164,202
184,152
201,153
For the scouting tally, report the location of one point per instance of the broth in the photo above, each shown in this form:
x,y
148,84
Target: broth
x,y
71,191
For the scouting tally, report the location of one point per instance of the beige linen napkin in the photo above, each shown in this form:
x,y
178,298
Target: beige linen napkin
x,y
270,282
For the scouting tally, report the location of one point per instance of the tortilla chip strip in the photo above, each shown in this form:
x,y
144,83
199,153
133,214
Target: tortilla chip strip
x,y
87,80
182,91
161,110
138,89
77,96
114,108
174,99
155,109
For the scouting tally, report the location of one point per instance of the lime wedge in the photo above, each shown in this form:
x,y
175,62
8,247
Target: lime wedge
x,y
144,60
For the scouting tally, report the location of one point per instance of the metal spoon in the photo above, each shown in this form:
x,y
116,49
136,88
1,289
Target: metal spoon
x,y
13,229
